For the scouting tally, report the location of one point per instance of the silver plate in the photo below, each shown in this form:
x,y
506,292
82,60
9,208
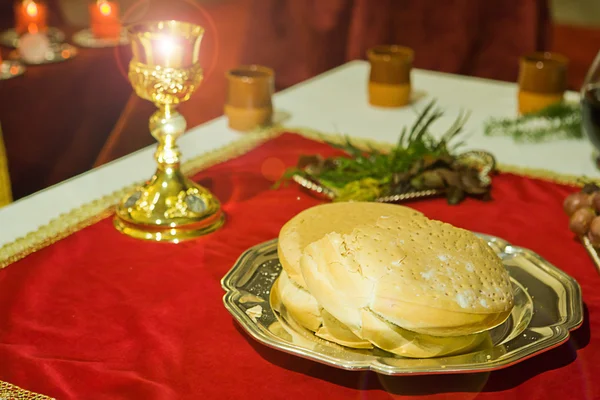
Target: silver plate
x,y
11,69
85,38
10,38
57,52
548,305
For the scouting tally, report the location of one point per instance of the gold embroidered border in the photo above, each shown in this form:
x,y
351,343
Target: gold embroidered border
x,y
564,179
90,213
12,392
544,174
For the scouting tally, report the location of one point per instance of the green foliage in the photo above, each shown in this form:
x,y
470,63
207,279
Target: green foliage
x,y
558,121
366,174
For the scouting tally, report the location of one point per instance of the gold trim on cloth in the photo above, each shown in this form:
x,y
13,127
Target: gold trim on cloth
x,y
5,189
543,174
90,213
12,392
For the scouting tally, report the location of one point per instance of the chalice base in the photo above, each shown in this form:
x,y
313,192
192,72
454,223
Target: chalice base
x,y
169,208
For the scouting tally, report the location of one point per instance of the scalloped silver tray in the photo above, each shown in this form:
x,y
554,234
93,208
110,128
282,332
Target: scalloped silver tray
x,y
10,38
485,160
548,305
85,38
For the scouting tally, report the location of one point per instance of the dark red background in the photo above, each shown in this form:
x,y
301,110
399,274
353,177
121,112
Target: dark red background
x,y
101,316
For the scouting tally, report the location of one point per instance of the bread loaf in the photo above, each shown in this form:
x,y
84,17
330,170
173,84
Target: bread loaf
x,y
308,226
370,274
315,222
410,285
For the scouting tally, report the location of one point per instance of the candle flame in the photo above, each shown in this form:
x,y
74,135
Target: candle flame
x,y
166,46
105,8
31,9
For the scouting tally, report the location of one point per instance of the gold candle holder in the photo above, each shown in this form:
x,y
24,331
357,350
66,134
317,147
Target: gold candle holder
x,y
166,71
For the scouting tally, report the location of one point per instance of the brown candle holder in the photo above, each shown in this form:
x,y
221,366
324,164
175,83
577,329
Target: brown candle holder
x,y
389,78
542,81
249,92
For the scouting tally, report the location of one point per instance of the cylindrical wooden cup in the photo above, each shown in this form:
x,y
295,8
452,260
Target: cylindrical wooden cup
x,y
249,91
542,81
389,79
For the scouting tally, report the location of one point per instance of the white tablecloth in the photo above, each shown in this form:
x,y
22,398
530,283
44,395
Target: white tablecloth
x,y
333,102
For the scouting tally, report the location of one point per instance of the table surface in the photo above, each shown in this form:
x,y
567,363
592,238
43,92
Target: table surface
x,y
334,102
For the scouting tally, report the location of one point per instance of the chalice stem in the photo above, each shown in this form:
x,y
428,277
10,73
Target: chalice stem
x,y
166,125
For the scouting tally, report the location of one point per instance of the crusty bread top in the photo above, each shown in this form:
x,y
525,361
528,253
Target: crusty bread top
x,y
315,222
420,274
433,264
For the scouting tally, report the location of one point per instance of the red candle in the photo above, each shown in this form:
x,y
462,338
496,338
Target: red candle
x,y
105,22
30,16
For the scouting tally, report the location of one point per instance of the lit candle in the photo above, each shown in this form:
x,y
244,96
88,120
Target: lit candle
x,y
30,16
169,51
105,22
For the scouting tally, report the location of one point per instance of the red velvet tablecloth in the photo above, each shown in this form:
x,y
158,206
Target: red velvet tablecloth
x,y
98,315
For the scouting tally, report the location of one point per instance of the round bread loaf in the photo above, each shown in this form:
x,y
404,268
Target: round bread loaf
x,y
308,226
315,222
403,278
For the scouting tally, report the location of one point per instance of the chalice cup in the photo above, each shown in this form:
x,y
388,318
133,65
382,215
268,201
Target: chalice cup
x,y
165,70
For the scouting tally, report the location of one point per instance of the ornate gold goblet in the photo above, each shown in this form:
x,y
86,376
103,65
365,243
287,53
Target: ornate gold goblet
x,y
165,70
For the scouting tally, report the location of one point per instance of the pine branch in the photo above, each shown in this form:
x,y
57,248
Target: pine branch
x,y
558,121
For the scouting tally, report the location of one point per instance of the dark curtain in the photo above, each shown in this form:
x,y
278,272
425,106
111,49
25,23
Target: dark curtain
x,y
56,117
302,38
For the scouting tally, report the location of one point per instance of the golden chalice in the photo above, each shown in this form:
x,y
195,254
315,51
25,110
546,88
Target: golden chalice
x,y
165,70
